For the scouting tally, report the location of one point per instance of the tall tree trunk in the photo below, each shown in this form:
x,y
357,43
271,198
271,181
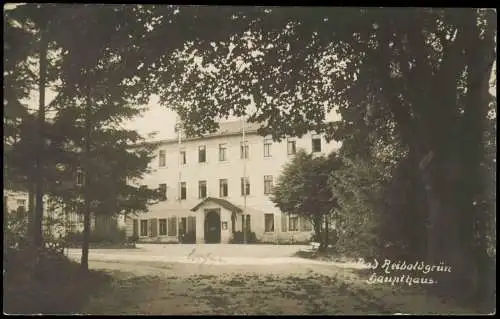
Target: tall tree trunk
x,y
31,209
327,226
480,58
317,222
39,182
86,190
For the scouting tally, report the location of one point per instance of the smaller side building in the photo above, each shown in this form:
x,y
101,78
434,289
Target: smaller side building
x,y
58,221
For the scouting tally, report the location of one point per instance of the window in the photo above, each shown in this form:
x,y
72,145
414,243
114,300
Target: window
x,y
172,226
293,224
183,157
162,188
144,227
79,177
244,150
202,189
269,222
162,222
21,202
202,154
267,147
153,227
222,152
245,186
268,184
183,190
223,187
291,147
162,158
316,143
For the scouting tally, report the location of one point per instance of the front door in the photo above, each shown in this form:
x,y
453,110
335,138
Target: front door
x,y
212,226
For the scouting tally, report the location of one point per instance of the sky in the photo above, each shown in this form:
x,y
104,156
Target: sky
x,y
156,118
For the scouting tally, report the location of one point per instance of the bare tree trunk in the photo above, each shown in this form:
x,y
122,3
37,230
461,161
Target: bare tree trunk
x,y
480,57
317,222
86,186
39,179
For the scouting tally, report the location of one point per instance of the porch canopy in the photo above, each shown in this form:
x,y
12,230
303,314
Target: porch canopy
x,y
221,202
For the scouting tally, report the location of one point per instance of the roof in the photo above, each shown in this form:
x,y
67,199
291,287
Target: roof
x,y
222,202
225,129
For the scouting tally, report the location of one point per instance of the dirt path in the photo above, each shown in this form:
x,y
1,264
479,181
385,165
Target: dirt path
x,y
145,287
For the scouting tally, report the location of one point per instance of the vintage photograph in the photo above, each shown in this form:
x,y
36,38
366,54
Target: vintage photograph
x,y
249,160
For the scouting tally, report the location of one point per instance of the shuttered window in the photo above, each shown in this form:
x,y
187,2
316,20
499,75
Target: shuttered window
x,y
269,222
293,223
144,227
163,226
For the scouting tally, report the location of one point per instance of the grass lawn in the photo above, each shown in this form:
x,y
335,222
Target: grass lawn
x,y
62,289
159,288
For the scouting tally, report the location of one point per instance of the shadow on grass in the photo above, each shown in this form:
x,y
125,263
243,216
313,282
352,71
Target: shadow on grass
x,y
61,288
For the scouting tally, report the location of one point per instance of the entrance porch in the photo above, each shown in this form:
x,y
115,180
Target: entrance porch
x,y
217,221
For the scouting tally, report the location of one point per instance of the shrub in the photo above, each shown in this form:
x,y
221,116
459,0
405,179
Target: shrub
x,y
133,239
15,229
113,237
237,238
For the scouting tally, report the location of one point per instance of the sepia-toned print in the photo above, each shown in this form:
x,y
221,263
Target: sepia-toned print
x,y
249,160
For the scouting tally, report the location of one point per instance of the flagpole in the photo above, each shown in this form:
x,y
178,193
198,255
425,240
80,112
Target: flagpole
x,y
179,135
245,154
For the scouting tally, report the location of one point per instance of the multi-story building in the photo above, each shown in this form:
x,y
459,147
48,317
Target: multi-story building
x,y
219,184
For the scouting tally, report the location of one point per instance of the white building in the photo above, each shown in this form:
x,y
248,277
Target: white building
x,y
58,221
55,222
202,180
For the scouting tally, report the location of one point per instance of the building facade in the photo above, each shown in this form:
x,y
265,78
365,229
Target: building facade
x,y
218,185
56,220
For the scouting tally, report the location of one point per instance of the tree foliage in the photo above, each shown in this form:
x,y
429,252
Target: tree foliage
x,y
96,73
302,189
414,80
